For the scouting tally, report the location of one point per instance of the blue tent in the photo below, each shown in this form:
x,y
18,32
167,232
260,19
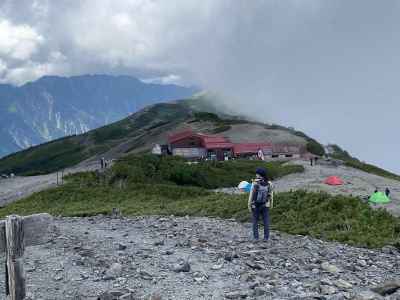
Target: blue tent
x,y
245,186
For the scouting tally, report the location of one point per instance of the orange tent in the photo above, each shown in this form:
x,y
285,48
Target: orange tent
x,y
334,180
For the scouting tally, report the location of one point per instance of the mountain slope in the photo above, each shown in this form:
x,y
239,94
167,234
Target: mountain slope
x,y
138,133
53,107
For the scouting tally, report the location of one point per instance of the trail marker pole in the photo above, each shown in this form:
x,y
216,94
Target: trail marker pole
x,y
16,233
14,254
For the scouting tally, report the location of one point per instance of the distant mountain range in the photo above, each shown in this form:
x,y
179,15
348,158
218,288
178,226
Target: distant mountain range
x,y
54,107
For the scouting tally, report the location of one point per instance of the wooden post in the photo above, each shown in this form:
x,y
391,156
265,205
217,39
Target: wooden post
x,y
116,213
15,258
16,233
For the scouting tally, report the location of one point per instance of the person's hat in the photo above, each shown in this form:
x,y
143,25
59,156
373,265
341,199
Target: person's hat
x,y
262,172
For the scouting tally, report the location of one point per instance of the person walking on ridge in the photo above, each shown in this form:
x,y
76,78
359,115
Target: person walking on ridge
x,y
387,192
260,198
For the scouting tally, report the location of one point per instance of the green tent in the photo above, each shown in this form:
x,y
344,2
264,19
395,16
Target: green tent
x,y
379,198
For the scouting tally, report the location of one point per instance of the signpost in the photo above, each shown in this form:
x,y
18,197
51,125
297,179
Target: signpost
x,y
16,233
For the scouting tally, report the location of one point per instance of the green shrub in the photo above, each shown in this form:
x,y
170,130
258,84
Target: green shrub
x,y
315,148
339,218
339,153
110,132
172,169
206,116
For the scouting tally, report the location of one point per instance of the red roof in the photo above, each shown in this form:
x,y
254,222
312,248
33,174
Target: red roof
x,y
251,147
180,135
208,141
215,141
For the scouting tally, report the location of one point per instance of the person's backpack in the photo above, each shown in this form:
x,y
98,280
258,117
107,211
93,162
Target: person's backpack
x,y
260,194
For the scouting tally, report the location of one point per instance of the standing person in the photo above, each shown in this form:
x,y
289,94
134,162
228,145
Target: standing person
x,y
387,192
259,202
311,161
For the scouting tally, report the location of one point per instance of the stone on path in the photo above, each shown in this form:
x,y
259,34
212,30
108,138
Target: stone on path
x,y
113,272
367,295
329,268
387,288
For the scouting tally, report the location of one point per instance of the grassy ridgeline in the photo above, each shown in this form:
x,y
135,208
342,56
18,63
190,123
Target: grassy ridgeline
x,y
353,162
142,186
371,169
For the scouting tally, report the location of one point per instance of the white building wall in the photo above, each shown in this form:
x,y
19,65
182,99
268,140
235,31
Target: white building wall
x,y
189,152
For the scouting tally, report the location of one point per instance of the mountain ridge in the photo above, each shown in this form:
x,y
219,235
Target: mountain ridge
x,y
54,106
139,132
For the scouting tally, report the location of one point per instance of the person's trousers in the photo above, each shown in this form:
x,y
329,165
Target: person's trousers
x,y
264,213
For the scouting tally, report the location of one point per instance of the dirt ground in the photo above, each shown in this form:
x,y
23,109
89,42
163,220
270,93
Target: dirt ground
x,y
19,187
196,258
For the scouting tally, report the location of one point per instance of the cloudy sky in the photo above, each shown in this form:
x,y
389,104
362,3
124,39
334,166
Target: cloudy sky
x,y
328,67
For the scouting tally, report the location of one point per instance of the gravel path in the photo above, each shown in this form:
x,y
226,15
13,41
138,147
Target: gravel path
x,y
196,258
12,189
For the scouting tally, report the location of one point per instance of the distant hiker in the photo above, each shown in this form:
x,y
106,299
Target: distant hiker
x,y
259,202
311,161
376,190
387,192
102,162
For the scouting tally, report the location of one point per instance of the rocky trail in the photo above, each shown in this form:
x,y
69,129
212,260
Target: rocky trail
x,y
200,258
12,189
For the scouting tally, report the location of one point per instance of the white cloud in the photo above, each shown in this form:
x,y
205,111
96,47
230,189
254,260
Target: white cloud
x,y
168,79
3,67
325,66
28,72
18,42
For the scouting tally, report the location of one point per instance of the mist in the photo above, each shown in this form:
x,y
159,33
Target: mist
x,y
329,68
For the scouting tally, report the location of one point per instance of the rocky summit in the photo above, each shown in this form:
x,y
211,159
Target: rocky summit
x,y
200,258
